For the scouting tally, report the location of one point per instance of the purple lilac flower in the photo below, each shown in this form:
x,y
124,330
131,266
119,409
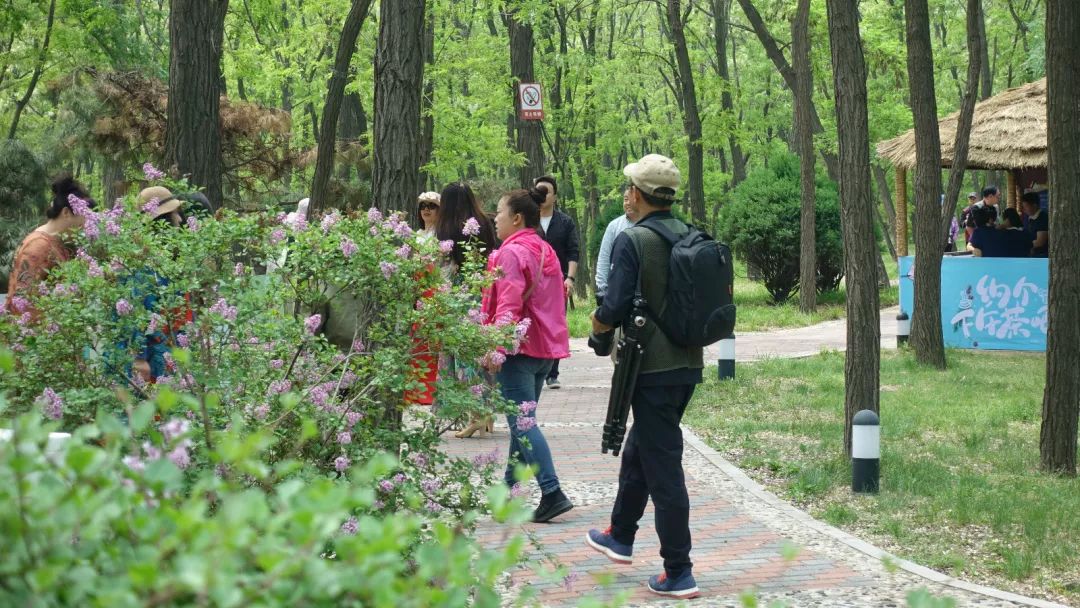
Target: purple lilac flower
x,y
112,228
525,423
193,223
79,206
357,345
527,408
320,396
403,252
475,316
353,417
341,463
344,438
182,340
134,463
348,379
329,220
91,228
430,486
51,404
20,304
418,459
262,411
403,230
221,307
373,231
151,205
433,507
374,215
152,451
123,307
378,505
477,390
276,364
489,458
238,270
348,247
277,236
350,527
180,457
52,328
386,485
471,227
493,358
387,268
399,478
280,386
522,328
446,246
174,429
312,323
94,270
151,173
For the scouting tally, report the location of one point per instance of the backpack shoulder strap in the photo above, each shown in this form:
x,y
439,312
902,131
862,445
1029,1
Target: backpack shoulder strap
x,y
663,231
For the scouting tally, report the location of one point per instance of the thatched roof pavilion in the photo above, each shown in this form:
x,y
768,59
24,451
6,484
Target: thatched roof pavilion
x,y
1008,132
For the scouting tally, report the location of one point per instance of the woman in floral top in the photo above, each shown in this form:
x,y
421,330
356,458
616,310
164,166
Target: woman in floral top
x,y
44,248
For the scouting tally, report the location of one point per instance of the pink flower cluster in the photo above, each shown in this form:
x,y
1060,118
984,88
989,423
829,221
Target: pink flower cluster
x,y
329,220
123,307
471,227
151,173
492,358
388,269
348,247
312,323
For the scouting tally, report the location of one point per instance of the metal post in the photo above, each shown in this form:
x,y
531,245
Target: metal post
x,y
865,452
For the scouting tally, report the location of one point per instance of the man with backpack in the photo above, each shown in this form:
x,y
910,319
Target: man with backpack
x,y
670,370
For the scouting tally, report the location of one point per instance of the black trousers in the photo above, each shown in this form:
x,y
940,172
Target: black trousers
x,y
554,373
652,467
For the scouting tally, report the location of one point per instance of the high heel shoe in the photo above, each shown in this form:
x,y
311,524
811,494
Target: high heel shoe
x,y
474,426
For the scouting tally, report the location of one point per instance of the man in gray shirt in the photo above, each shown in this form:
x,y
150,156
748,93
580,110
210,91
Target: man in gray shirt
x,y
603,259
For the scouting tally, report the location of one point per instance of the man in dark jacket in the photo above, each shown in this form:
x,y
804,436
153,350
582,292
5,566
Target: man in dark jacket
x,y
561,233
652,456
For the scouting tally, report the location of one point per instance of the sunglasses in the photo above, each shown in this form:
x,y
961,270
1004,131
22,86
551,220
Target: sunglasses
x,y
426,206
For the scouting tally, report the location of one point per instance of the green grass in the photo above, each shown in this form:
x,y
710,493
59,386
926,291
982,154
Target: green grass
x,y
756,310
961,490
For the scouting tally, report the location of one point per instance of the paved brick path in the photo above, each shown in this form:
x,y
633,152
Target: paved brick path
x,y
744,539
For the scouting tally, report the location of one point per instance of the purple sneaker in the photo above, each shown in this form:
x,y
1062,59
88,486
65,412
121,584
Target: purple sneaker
x,y
613,549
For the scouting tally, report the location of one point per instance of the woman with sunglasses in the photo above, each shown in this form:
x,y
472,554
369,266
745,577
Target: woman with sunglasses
x,y
427,214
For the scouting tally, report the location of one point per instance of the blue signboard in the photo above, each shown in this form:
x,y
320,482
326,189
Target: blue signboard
x,y
987,303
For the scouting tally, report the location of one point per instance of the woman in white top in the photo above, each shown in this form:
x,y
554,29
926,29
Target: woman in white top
x,y
427,213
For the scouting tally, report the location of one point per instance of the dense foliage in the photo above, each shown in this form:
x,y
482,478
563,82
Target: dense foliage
x,y
761,223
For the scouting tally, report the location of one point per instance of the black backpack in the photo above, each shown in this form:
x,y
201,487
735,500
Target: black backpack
x,y
699,309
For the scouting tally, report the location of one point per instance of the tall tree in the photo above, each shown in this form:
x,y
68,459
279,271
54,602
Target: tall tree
x,y
721,27
862,359
193,119
335,93
931,216
399,79
39,67
1061,399
690,115
427,126
529,132
804,147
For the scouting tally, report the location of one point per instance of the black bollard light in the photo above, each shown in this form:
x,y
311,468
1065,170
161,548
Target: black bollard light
x,y
865,452
903,328
725,366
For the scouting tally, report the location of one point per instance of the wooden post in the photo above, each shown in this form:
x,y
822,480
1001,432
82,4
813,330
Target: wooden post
x,y
901,212
1014,189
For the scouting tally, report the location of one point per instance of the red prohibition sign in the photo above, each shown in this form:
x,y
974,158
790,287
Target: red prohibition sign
x,y
530,95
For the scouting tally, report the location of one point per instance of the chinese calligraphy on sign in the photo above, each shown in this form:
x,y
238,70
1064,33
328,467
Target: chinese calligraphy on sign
x,y
988,303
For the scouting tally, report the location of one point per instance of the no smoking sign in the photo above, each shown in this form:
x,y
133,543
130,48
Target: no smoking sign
x,y
530,101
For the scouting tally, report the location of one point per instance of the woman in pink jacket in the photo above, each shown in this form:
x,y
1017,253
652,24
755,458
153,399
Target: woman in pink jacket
x,y
529,293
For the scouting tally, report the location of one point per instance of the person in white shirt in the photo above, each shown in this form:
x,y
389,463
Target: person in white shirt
x,y
603,259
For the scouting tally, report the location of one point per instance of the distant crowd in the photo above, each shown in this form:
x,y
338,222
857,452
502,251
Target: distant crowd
x,y
1005,234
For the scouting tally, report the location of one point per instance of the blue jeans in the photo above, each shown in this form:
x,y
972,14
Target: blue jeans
x,y
521,379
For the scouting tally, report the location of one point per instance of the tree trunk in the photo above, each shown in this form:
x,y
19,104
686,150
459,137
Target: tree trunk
x,y
351,127
862,359
932,215
529,132
193,127
804,147
926,337
39,67
1061,399
324,163
427,125
691,118
777,56
399,75
886,198
721,26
